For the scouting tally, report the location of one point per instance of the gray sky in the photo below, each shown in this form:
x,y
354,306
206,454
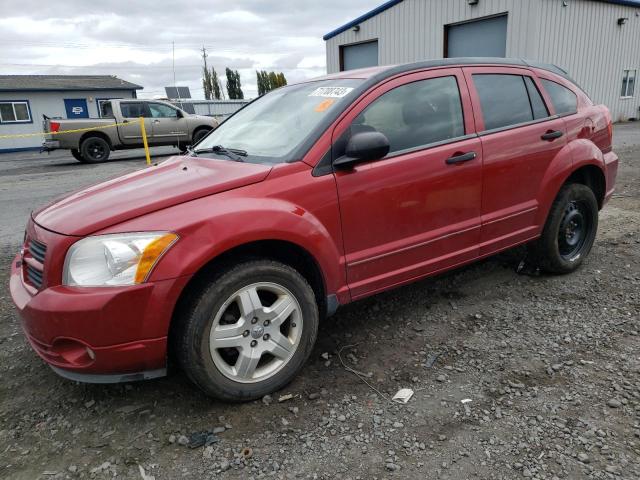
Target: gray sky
x,y
132,39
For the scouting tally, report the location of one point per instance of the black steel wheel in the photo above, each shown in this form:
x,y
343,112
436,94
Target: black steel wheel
x,y
95,149
569,231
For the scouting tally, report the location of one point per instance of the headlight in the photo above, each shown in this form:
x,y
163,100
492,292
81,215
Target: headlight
x,y
119,259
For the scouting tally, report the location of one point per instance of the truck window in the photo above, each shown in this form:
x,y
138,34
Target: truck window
x,y
133,110
159,110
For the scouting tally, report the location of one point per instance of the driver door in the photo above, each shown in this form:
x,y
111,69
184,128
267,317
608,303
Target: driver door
x,y
417,210
168,125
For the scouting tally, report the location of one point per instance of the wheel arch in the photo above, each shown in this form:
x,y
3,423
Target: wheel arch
x,y
94,133
284,251
592,176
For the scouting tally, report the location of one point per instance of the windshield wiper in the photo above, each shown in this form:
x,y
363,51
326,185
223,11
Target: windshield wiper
x,y
234,154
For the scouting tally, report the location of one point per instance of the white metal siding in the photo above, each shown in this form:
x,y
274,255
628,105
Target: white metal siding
x,y
584,38
52,105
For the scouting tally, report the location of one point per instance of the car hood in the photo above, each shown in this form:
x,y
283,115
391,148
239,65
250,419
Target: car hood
x,y
175,181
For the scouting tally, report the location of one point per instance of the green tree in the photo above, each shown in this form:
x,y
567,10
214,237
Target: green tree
x,y
215,84
234,86
268,81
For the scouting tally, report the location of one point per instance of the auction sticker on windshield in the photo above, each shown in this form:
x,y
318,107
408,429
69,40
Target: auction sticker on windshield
x,y
335,92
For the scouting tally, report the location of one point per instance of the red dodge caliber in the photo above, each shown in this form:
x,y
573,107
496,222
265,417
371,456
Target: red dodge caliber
x,y
312,196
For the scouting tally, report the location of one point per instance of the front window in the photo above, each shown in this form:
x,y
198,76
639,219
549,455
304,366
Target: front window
x,y
159,110
273,126
416,114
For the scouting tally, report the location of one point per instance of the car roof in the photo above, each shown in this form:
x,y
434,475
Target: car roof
x,y
389,70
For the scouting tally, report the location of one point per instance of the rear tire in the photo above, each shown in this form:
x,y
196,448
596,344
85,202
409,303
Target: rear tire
x,y
569,231
95,150
247,331
77,155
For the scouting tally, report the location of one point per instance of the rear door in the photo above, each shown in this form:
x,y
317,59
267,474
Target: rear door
x,y
520,139
168,126
417,210
131,134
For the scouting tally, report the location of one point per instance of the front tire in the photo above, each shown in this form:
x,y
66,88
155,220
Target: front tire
x,y
247,331
95,150
199,135
569,231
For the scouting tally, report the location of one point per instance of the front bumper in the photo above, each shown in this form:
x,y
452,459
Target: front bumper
x,y
98,335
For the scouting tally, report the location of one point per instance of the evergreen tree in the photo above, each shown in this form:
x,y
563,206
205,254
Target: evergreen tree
x,y
215,84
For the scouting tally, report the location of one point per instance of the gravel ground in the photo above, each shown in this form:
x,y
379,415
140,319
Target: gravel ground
x,y
514,376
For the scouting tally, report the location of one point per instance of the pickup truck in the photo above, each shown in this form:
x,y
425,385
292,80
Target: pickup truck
x,y
165,124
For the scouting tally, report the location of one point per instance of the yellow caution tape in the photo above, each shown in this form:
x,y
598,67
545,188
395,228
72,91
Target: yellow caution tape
x,y
76,130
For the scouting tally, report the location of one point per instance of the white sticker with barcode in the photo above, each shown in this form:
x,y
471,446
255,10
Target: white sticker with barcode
x,y
333,92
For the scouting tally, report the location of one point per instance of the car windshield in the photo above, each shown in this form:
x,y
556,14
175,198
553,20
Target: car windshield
x,y
273,126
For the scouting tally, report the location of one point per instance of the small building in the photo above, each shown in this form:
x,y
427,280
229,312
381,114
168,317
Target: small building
x,y
24,99
596,41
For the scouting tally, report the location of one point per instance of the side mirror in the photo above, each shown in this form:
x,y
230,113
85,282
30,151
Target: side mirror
x,y
363,147
179,114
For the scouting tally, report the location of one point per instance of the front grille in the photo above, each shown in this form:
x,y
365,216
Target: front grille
x,y
34,276
33,262
38,250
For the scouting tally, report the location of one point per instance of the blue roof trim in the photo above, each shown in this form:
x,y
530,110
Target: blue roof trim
x,y
361,18
391,3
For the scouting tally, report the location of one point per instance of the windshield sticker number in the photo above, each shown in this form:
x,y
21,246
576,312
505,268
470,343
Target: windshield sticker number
x,y
333,92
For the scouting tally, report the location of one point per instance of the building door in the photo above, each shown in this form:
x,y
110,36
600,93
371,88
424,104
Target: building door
x,y
359,55
76,108
418,209
480,38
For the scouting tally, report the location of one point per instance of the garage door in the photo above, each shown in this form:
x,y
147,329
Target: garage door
x,y
360,55
480,38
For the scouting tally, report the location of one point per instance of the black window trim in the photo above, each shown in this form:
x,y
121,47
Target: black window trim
x,y
518,125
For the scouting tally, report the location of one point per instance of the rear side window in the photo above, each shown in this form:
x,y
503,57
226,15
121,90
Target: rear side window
x,y
415,114
132,110
537,104
504,100
563,99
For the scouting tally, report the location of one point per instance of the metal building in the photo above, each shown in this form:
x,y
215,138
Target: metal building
x,y
596,41
25,98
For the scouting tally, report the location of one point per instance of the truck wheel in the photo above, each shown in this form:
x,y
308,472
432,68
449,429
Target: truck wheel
x,y
570,230
247,331
199,135
76,154
95,150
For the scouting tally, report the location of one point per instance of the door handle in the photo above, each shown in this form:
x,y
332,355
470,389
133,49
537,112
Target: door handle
x,y
552,135
156,121
460,158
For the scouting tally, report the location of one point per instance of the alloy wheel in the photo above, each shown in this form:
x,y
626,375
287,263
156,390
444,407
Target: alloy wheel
x,y
255,332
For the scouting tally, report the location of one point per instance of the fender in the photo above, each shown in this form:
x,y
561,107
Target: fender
x,y
213,225
574,155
